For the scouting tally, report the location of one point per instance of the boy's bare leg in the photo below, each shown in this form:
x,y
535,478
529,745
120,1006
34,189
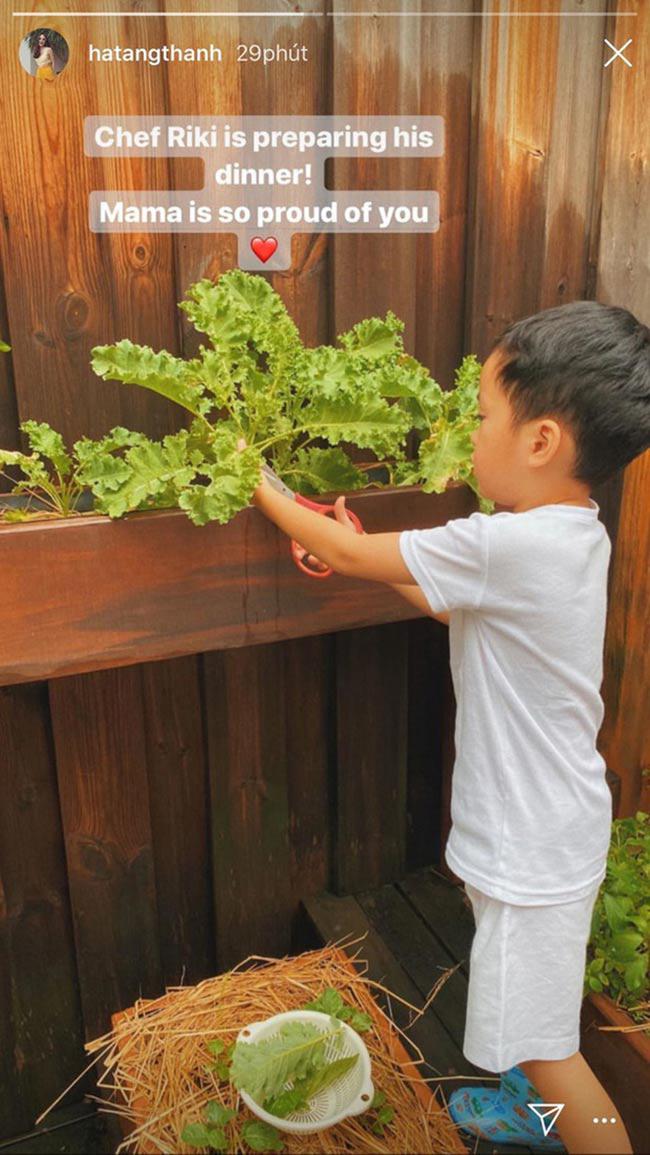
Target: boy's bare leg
x,y
572,1082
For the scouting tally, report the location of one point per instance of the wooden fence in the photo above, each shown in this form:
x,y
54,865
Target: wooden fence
x,y
161,821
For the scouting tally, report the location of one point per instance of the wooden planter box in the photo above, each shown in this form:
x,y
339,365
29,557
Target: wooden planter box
x,y
620,1061
87,593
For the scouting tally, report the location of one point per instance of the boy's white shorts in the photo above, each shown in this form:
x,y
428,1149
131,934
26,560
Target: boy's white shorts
x,y
526,974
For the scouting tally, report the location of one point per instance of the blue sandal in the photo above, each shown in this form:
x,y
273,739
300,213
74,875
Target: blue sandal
x,y
502,1115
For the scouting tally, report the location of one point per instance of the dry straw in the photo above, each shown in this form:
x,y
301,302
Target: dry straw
x,y
154,1060
641,1009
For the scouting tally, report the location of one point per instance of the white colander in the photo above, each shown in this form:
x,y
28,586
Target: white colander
x,y
350,1095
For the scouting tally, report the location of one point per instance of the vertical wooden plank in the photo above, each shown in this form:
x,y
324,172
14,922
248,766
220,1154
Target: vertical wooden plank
x,y
372,734
250,89
139,290
241,923
301,89
625,737
67,287
205,90
373,75
40,1016
623,279
9,435
573,154
623,258
310,670
533,166
101,755
444,83
428,723
180,824
245,711
448,754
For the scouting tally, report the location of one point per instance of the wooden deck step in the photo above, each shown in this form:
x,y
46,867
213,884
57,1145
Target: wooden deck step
x,y
416,929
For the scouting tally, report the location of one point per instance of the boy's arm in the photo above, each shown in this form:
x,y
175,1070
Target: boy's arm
x,y
373,556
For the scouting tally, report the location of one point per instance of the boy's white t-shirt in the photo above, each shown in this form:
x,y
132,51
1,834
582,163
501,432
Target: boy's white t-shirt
x,y
527,596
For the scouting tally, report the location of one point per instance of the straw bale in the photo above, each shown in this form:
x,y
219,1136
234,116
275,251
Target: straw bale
x,y
154,1060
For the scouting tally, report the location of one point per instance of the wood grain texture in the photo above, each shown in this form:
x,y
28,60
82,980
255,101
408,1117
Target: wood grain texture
x,y
41,1025
67,287
9,433
304,89
444,88
101,758
153,585
623,256
446,910
334,918
372,273
625,738
204,89
430,725
371,713
234,89
309,679
424,957
250,89
177,775
533,161
246,710
624,280
373,74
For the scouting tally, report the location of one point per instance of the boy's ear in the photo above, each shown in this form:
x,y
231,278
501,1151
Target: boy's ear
x,y
546,436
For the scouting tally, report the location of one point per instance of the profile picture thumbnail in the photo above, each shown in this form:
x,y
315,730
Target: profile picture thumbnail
x,y
44,53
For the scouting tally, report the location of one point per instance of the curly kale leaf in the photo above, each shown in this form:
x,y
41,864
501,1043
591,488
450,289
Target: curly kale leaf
x,y
161,372
367,421
418,394
318,471
150,473
239,308
373,338
230,480
446,453
48,443
30,464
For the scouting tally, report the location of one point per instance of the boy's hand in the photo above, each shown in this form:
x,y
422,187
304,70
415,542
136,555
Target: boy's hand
x,y
341,513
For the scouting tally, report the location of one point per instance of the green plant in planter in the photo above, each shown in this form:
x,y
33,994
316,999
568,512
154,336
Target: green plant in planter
x,y
4,347
258,381
617,956
55,478
446,452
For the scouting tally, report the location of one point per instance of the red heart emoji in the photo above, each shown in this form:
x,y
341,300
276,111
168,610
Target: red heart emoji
x,y
264,248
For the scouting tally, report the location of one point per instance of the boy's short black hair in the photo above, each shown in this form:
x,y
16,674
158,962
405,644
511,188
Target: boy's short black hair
x,y
588,364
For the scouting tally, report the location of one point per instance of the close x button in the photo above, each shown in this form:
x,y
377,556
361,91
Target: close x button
x,y
618,53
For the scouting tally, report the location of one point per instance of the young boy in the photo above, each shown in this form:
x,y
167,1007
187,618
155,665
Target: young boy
x,y
564,402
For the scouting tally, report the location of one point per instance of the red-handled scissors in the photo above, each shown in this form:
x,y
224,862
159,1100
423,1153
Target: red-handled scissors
x,y
303,559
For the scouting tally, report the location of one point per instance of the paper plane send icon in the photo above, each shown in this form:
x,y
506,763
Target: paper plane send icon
x,y
547,1113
